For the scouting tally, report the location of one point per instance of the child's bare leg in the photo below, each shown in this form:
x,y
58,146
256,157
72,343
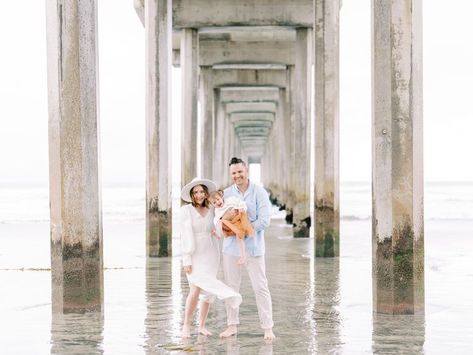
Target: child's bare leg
x,y
204,311
241,246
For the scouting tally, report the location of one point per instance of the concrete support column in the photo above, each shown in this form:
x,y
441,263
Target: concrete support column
x,y
207,125
303,73
269,167
189,75
327,171
227,131
158,125
290,137
282,142
74,183
219,165
397,164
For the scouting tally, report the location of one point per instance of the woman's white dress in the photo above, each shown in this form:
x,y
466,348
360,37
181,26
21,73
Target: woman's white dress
x,y
201,250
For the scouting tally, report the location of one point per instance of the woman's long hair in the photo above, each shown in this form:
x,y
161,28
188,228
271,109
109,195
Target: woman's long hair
x,y
206,201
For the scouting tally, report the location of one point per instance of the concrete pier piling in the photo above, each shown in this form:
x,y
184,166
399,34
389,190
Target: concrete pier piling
x,y
189,82
158,128
207,121
75,202
398,227
326,52
302,127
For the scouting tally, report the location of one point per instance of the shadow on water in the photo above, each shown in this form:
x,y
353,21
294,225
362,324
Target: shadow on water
x,y
77,333
398,334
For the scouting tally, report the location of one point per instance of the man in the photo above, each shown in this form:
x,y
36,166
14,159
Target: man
x,y
259,213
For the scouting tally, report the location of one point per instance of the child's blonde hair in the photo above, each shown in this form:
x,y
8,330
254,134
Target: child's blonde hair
x,y
214,194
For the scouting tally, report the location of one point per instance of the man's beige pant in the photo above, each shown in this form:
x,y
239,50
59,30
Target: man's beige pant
x,y
256,269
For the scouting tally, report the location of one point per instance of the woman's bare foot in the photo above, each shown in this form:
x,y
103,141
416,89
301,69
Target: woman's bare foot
x,y
205,331
231,330
268,334
186,331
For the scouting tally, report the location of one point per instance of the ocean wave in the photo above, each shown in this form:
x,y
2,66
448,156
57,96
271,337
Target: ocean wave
x,y
355,218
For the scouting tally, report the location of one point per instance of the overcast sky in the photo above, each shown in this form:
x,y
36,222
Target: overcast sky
x,y
448,76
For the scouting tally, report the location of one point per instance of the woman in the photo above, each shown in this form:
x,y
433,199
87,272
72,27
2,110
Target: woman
x,y
201,255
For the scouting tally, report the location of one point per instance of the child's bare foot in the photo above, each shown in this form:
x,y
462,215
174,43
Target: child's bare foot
x,y
186,331
268,334
205,331
231,330
241,261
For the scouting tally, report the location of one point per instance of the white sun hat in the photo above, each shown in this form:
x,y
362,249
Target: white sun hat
x,y
186,190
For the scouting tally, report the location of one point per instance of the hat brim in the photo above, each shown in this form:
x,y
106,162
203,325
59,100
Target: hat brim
x,y
186,190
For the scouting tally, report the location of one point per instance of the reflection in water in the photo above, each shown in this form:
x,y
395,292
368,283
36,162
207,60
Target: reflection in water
x,y
163,302
77,333
398,334
327,298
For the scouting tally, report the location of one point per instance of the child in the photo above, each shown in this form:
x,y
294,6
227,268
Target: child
x,y
228,226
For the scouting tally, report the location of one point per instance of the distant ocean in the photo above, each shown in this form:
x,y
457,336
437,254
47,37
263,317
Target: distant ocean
x,y
26,204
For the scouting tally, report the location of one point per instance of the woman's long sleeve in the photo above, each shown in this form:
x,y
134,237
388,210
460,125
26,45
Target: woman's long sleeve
x,y
187,236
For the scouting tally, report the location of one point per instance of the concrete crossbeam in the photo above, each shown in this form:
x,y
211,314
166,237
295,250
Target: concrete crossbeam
x,y
250,107
251,117
221,52
247,94
209,13
241,77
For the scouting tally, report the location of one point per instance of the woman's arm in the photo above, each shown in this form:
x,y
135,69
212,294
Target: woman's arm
x,y
187,236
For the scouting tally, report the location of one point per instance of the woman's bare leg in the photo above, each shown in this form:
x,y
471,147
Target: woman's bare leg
x,y
191,304
204,311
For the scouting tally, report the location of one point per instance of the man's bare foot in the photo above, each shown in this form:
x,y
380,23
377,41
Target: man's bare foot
x,y
268,334
231,330
186,331
205,331
241,261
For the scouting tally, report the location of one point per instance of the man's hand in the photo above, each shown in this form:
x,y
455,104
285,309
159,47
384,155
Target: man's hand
x,y
230,214
187,269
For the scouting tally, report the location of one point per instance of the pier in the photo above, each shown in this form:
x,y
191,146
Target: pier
x,y
253,68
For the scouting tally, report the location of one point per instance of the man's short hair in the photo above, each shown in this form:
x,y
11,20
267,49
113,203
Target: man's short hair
x,y
236,160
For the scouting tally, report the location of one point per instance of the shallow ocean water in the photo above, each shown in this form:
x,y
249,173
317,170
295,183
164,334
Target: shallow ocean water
x,y
321,306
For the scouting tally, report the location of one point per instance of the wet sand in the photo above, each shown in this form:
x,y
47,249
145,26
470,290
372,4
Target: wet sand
x,y
320,305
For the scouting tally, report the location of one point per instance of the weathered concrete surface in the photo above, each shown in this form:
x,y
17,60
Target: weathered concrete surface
x,y
219,165
398,228
139,6
302,126
232,107
189,79
207,137
158,126
224,51
247,77
327,171
208,13
75,196
290,138
249,94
